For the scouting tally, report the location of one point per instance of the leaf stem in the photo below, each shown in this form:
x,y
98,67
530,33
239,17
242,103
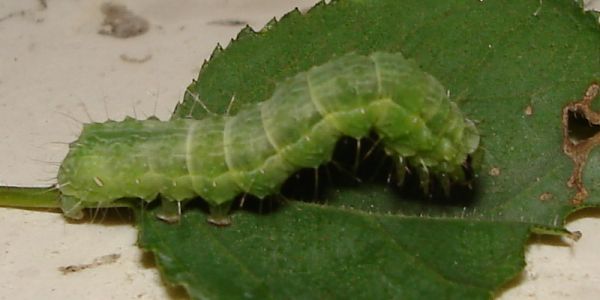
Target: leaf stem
x,y
29,197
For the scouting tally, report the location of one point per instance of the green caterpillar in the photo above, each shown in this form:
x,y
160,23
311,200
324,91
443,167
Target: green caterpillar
x,y
255,151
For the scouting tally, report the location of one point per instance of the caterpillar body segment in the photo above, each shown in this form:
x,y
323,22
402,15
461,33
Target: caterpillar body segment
x,y
255,151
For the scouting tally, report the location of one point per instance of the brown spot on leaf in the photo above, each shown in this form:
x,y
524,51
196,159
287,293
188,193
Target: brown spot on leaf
x,y
495,171
546,196
577,145
528,111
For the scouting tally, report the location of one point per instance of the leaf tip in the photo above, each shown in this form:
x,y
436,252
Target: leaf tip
x,y
245,32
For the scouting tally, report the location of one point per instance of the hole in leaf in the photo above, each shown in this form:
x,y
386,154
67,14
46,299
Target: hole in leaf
x,y
580,128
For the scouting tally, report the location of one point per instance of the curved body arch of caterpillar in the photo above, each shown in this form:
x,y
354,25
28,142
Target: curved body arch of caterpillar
x,y
255,151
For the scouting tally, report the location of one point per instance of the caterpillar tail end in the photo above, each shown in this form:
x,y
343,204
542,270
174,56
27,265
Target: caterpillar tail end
x,y
219,214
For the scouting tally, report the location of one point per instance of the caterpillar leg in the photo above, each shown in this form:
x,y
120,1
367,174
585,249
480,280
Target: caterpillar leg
x,y
424,179
72,207
445,182
169,211
400,169
219,214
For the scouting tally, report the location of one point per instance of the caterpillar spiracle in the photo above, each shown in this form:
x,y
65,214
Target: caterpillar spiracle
x,y
254,152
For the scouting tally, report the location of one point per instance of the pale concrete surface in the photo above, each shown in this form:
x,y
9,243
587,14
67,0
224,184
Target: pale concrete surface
x,y
55,69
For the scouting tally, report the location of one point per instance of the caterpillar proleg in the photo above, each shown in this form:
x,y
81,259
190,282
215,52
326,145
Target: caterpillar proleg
x,y
255,151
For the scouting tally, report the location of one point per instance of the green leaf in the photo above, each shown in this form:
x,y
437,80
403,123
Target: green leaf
x,y
311,251
498,58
